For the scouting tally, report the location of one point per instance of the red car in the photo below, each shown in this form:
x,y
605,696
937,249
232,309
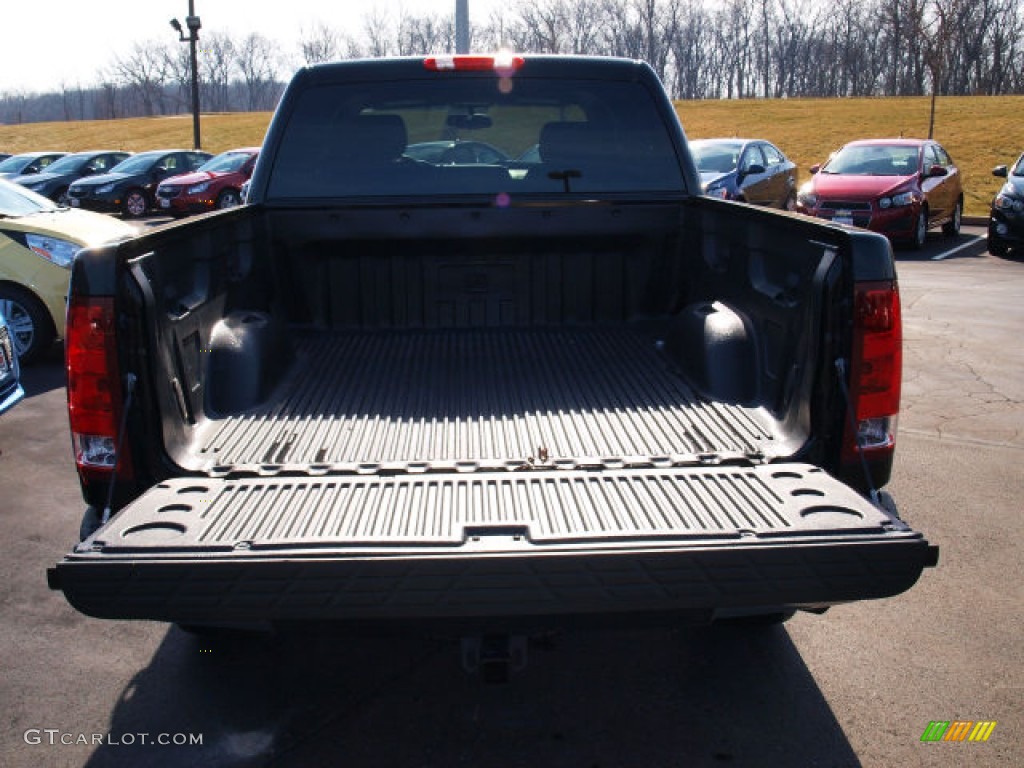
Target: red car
x,y
898,187
216,184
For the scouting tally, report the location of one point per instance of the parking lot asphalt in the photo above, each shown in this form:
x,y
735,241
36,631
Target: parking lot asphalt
x,y
857,686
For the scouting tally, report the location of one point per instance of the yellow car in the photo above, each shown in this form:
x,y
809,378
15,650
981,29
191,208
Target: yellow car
x,y
38,243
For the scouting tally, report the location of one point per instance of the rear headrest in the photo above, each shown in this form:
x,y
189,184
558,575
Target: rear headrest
x,y
374,138
571,144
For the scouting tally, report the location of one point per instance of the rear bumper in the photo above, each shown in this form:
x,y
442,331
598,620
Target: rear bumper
x,y
693,579
491,547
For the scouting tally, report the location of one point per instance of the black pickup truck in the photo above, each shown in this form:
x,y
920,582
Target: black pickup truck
x,y
538,381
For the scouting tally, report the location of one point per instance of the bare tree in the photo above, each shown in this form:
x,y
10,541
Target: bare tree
x,y
143,73
425,34
255,58
320,43
377,32
216,59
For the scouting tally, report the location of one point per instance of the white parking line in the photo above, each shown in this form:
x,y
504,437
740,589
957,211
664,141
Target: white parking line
x,y
947,254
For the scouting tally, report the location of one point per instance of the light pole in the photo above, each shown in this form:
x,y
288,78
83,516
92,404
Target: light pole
x,y
462,26
193,24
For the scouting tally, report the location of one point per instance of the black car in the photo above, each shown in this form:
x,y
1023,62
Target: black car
x,y
1006,221
54,180
27,163
748,170
130,186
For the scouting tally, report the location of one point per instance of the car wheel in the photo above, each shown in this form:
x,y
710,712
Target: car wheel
x,y
229,198
28,321
952,227
134,204
920,230
996,246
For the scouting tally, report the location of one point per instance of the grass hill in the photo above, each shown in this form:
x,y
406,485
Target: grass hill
x,y
980,132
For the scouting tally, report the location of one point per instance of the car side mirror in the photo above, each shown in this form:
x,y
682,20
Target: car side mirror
x,y
936,171
30,170
814,168
1000,171
751,170
160,172
88,171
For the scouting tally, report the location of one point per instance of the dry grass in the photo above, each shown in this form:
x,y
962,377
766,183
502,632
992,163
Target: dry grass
x,y
978,131
219,132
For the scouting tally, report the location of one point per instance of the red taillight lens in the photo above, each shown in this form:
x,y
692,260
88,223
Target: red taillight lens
x,y
877,366
94,382
503,64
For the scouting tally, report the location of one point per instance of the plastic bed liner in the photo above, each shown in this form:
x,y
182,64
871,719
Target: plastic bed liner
x,y
482,399
487,545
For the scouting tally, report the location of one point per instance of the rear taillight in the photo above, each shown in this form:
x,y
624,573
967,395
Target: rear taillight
x,y
94,385
876,370
502,63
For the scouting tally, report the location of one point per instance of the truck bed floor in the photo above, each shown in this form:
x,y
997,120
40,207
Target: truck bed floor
x,y
480,399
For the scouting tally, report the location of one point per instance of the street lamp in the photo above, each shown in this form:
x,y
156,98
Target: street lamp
x,y
193,24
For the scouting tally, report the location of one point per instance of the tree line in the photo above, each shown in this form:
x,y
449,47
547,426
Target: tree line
x,y
731,49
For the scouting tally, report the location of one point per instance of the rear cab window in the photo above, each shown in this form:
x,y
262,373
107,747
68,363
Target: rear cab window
x,y
540,136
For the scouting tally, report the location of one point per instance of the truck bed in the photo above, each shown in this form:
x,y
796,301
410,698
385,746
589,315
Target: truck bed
x,y
481,399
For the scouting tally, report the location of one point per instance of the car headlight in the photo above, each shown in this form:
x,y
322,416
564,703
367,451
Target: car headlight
x,y
1006,203
806,196
896,201
60,252
196,189
717,190
105,189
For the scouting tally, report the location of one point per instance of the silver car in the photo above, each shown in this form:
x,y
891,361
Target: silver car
x,y
10,383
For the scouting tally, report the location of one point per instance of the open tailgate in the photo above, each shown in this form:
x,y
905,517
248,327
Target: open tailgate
x,y
491,545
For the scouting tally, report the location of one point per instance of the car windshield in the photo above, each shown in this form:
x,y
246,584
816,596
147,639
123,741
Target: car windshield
x,y
431,151
68,164
1019,169
351,139
716,157
15,200
137,163
15,163
225,162
874,160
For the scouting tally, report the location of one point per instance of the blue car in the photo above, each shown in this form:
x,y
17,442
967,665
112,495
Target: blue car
x,y
10,381
749,170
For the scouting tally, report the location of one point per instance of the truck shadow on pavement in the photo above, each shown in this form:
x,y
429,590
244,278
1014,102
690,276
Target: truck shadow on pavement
x,y
694,697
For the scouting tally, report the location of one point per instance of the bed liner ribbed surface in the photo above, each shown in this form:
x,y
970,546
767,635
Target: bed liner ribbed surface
x,y
487,399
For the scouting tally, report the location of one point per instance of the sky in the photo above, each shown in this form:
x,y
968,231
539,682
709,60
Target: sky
x,y
49,42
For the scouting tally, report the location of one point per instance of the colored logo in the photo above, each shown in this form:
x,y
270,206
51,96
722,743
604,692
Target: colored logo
x,y
958,730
